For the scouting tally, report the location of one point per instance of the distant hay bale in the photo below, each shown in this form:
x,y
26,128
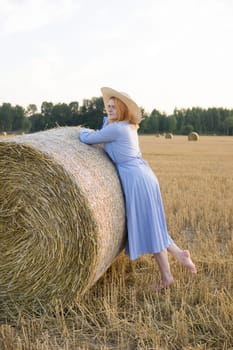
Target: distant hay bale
x,y
168,136
157,135
4,133
193,136
62,218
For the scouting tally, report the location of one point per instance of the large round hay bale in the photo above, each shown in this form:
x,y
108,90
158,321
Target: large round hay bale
x,y
168,136
193,136
62,218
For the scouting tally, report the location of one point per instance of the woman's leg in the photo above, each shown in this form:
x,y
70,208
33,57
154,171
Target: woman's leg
x,y
164,268
183,256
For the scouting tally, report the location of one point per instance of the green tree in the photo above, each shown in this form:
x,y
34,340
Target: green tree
x,y
74,107
75,115
46,112
6,117
187,129
18,118
179,114
60,115
38,122
46,108
228,123
92,112
149,125
162,123
142,125
31,109
171,124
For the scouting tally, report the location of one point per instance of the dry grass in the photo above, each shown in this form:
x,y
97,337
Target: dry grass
x,y
122,310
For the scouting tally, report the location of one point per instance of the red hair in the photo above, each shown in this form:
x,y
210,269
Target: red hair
x,y
123,112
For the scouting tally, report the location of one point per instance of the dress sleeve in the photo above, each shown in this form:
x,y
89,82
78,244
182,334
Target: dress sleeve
x,y
107,134
105,122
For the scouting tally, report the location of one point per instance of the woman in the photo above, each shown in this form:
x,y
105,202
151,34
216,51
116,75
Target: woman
x,y
146,224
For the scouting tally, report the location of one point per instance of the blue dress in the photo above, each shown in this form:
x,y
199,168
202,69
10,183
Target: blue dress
x,y
146,223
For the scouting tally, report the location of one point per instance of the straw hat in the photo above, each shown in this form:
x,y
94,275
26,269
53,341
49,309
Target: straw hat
x,y
133,107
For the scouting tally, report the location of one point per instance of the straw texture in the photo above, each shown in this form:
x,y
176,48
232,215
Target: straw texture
x,y
62,218
168,136
193,136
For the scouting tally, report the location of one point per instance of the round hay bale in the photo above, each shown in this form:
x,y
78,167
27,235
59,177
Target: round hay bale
x,y
168,136
4,133
193,136
62,217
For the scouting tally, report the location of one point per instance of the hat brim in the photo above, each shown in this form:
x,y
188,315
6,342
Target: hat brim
x,y
133,107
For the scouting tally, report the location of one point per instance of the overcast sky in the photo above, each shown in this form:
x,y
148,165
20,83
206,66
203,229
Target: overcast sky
x,y
166,54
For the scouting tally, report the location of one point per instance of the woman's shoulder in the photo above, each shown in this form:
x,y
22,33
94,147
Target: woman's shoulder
x,y
122,127
122,124
117,125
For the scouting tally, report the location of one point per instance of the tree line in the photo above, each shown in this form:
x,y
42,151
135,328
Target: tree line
x,y
90,114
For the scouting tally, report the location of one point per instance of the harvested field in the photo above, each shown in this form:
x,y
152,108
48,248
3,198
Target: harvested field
x,y
123,310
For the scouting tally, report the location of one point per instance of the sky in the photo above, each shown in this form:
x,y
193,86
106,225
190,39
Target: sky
x,y
165,54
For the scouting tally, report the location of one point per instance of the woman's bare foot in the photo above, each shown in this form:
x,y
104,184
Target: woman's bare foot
x,y
165,282
164,268
184,258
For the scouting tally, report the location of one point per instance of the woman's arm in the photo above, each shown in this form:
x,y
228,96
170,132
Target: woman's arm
x,y
107,134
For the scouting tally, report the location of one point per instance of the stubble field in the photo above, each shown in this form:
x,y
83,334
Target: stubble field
x,y
123,310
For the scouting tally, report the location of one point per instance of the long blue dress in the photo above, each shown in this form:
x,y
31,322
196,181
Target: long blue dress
x,y
146,223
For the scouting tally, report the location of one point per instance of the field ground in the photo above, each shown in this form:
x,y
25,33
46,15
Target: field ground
x,y
123,310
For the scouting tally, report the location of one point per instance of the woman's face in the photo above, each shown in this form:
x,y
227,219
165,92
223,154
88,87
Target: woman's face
x,y
112,113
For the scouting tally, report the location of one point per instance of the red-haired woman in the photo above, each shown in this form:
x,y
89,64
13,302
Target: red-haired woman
x,y
146,223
